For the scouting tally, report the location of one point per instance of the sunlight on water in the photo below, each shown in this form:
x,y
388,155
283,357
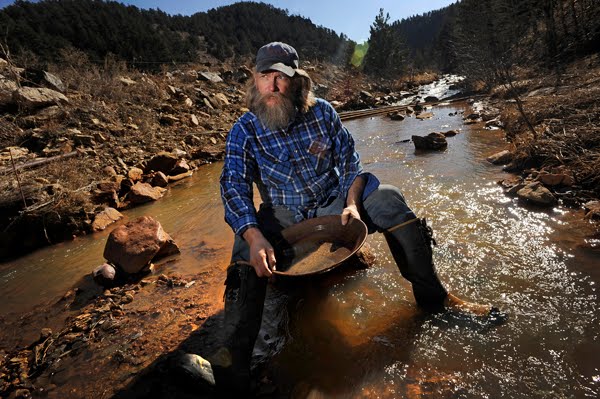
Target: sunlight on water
x,y
491,249
359,334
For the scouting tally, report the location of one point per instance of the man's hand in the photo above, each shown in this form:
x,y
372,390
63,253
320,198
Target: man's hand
x,y
350,211
262,255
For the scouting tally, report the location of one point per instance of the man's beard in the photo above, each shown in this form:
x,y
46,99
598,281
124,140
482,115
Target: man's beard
x,y
275,116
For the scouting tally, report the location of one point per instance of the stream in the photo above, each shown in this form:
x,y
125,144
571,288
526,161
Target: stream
x,y
361,335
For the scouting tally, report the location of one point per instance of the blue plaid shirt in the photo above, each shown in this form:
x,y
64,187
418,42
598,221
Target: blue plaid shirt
x,y
301,168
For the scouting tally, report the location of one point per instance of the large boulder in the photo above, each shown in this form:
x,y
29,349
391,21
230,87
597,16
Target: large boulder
x,y
133,246
433,141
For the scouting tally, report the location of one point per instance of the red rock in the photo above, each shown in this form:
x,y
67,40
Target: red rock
x,y
134,245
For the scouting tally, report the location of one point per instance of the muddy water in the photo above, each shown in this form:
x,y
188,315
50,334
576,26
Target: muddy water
x,y
358,334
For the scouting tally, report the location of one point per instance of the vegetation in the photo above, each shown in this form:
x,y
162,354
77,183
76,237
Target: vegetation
x,y
149,38
487,40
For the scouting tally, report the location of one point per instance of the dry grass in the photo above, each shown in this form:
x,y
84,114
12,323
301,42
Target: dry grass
x,y
567,123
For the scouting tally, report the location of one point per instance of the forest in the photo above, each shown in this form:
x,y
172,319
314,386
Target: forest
x,y
37,32
482,40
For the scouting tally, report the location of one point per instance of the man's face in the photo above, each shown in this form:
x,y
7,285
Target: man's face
x,y
271,99
272,84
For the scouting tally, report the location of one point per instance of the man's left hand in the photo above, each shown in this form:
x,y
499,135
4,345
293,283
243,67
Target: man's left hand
x,y
351,211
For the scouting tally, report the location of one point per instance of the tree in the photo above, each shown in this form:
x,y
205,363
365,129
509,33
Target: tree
x,y
387,51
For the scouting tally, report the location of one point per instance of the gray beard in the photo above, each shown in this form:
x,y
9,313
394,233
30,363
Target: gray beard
x,y
274,117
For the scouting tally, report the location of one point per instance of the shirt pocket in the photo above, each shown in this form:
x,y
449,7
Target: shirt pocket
x,y
277,167
321,152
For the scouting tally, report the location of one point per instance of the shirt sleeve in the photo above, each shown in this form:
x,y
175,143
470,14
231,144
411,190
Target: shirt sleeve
x,y
346,158
236,181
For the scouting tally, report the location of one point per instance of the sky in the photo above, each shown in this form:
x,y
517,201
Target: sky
x,y
351,17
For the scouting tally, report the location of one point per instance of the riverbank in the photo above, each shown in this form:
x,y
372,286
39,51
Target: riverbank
x,y
97,138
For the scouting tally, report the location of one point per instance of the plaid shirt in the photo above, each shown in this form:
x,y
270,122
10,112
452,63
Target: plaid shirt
x,y
301,168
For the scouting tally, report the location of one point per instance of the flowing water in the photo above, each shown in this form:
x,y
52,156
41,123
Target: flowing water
x,y
359,334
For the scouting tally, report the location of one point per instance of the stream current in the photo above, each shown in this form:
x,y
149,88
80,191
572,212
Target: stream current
x,y
361,335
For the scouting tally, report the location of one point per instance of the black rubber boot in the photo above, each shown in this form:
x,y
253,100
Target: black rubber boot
x,y
244,301
411,247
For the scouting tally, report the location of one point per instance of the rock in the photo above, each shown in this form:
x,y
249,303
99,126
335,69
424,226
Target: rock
x,y
397,116
104,275
109,171
162,162
143,192
425,115
409,110
180,167
450,133
194,120
33,97
221,98
52,113
209,153
433,141
106,193
210,76
555,179
160,179
365,94
135,174
188,102
431,99
105,218
7,87
53,82
500,158
207,103
134,245
592,209
84,140
168,119
537,194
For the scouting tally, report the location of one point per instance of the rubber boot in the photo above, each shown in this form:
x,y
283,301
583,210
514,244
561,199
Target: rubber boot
x,y
244,300
411,247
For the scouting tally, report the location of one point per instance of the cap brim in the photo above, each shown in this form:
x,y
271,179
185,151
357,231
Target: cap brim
x,y
279,66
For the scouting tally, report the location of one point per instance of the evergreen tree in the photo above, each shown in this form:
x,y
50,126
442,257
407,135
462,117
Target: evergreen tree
x,y
386,55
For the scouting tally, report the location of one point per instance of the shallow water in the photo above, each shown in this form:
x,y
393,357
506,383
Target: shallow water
x,y
359,334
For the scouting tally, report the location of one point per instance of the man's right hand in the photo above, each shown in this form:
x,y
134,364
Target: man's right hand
x,y
262,255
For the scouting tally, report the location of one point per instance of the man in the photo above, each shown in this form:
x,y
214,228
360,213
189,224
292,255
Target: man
x,y
303,162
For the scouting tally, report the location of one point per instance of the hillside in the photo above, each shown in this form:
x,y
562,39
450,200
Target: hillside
x,y
36,33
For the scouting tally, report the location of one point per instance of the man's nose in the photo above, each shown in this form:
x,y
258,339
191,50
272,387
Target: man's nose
x,y
273,84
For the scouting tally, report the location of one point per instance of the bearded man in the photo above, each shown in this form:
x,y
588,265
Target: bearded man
x,y
294,147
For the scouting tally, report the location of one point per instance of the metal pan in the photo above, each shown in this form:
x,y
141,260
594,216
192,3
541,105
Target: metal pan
x,y
318,245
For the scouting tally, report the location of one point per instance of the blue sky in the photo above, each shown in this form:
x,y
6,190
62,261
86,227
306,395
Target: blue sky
x,y
351,17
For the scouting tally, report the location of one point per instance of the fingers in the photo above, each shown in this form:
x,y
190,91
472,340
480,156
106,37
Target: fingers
x,y
349,212
262,269
271,258
345,217
265,262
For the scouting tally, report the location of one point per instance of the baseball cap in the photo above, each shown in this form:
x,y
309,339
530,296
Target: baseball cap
x,y
277,56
